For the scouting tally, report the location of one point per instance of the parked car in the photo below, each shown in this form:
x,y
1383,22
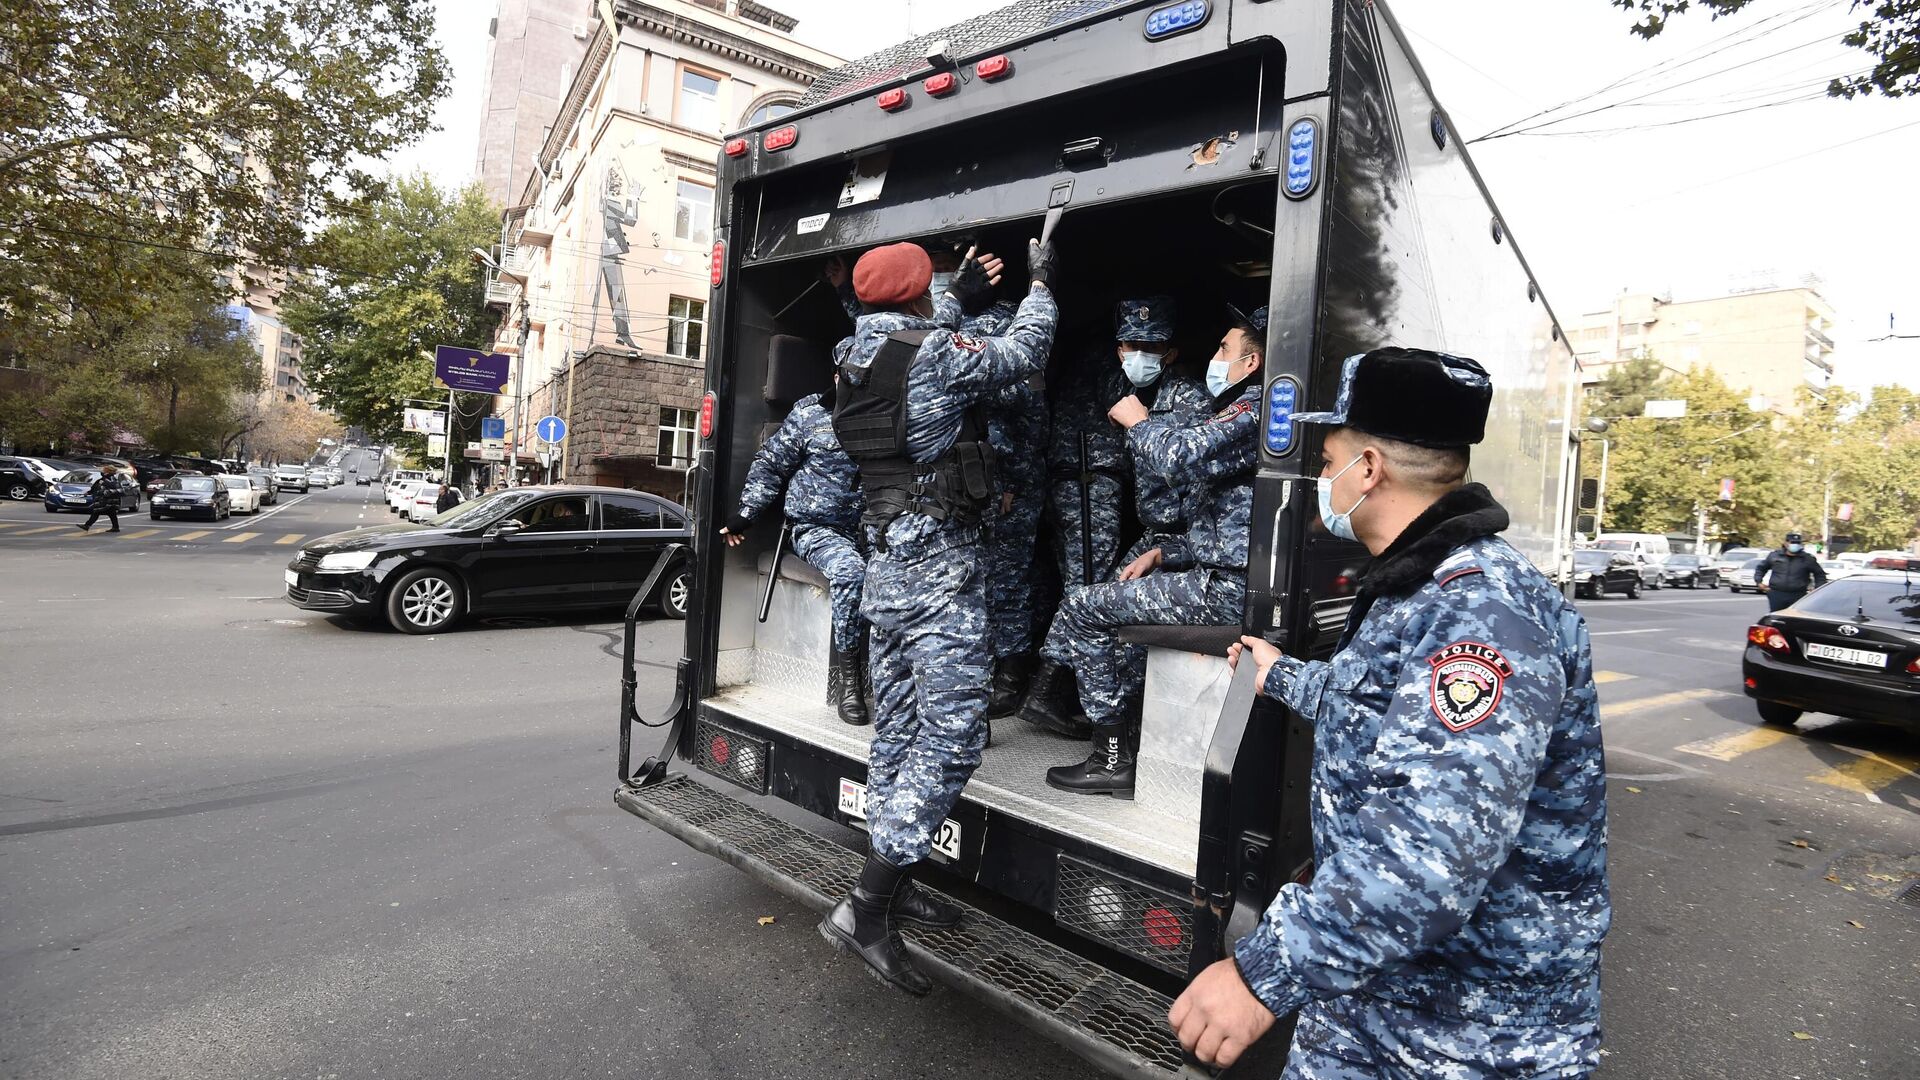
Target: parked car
x,y
192,496
242,496
1597,573
1732,559
21,480
426,503
292,477
1740,579
1839,568
401,494
1692,571
263,480
525,548
70,492
1850,648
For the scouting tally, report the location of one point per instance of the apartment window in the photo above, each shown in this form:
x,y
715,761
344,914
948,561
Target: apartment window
x,y
699,106
676,438
693,213
686,327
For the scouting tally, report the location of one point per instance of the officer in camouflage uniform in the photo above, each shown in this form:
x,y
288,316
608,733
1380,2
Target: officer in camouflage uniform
x,y
902,413
1146,341
823,506
1198,579
1453,924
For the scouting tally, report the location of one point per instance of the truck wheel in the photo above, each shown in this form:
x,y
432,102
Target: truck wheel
x,y
1775,713
424,602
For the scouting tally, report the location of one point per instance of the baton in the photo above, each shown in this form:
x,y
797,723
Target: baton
x,y
773,572
1086,514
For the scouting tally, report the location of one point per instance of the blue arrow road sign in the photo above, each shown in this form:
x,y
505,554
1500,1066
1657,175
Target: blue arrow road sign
x,y
551,428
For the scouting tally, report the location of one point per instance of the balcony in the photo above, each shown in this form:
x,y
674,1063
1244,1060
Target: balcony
x,y
501,292
1816,336
536,227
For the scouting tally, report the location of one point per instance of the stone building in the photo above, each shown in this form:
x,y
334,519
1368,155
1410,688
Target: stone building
x,y
533,50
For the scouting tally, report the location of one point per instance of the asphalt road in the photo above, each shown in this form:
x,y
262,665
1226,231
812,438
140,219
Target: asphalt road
x,y
242,840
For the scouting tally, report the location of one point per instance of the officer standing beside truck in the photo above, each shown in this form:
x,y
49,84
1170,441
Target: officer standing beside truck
x,y
1459,894
1794,571
906,414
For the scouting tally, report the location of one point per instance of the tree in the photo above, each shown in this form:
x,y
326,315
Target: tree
x,y
1891,35
368,336
287,431
1865,453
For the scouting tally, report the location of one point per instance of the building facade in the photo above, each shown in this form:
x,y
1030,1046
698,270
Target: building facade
x,y
533,51
1766,342
257,290
604,252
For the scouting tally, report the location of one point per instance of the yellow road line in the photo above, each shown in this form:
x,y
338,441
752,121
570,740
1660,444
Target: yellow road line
x,y
78,533
11,524
1605,677
1615,709
1863,775
43,529
194,535
290,538
138,535
239,538
1728,747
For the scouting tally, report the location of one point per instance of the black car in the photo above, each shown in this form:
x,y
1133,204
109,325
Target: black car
x,y
1597,573
195,496
263,479
1693,571
522,549
70,492
1743,577
20,481
1850,647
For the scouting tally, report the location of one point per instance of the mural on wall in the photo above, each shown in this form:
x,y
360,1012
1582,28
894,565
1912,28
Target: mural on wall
x,y
617,212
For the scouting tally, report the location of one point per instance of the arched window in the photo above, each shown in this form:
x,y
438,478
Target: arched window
x,y
765,111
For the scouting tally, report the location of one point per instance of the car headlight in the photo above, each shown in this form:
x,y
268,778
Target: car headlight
x,y
1583,575
346,561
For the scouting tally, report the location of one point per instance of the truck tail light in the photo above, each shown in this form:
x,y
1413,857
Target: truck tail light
x,y
719,262
993,67
892,100
1770,639
780,138
939,85
706,416
735,147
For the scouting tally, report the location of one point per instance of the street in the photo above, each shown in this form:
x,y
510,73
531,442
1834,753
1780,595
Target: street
x,y
243,840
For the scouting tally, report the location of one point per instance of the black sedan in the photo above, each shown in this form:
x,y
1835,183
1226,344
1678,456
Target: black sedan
x,y
1597,573
1850,648
1692,571
192,496
70,492
522,549
20,481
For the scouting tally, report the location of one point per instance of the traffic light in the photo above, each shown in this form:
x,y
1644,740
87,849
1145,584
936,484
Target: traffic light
x,y
1586,523
1589,494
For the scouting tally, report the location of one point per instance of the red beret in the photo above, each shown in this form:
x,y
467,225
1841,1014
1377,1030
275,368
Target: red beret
x,y
892,275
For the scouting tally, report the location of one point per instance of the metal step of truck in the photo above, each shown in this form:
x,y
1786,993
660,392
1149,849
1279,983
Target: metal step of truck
x,y
1111,1021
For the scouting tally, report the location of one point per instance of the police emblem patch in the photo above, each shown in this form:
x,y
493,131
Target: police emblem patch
x,y
962,341
1467,681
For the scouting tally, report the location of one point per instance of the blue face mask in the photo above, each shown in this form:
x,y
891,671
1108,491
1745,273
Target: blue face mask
x,y
1795,548
1217,381
1340,525
1141,367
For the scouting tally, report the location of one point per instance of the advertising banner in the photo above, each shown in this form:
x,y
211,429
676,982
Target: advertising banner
x,y
471,369
425,422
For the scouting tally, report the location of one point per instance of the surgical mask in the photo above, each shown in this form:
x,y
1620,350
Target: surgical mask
x,y
1218,381
1141,367
1340,525
940,283
1795,548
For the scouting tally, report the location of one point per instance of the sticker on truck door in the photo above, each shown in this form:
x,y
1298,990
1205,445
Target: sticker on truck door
x,y
813,223
853,803
865,180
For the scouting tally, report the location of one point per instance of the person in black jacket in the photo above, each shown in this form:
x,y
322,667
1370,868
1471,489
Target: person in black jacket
x,y
449,498
1790,566
104,498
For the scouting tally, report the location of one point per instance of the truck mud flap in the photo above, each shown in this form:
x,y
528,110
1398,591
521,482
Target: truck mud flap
x,y
1109,1020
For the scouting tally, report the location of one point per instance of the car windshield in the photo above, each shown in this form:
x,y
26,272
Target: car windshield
x,y
1682,560
484,509
1879,599
1613,545
191,483
233,480
1739,554
80,476
1591,560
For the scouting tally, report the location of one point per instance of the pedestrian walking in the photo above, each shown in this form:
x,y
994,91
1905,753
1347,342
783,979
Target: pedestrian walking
x,y
449,498
103,497
1452,925
1791,566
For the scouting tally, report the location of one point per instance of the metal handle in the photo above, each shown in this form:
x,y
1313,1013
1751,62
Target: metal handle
x,y
654,769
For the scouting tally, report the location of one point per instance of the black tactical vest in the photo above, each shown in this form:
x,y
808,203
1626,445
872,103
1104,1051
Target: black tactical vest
x,y
871,421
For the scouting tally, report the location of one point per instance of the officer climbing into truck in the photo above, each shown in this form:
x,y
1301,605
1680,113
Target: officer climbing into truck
x,y
906,414
1452,926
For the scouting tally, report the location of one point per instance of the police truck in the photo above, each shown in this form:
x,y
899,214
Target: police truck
x,y
1280,152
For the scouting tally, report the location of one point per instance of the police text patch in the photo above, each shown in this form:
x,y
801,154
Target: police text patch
x,y
961,341
1467,680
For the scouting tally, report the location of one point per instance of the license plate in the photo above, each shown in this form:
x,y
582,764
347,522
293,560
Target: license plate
x,y
1862,657
853,803
293,580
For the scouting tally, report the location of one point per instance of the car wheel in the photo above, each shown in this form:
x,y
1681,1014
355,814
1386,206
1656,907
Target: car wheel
x,y
18,492
53,509
1633,589
1775,713
155,514
424,602
674,596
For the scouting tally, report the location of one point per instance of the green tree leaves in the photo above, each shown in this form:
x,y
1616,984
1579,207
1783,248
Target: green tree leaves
x,y
1890,33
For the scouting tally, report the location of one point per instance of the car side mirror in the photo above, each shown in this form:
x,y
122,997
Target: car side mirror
x,y
507,528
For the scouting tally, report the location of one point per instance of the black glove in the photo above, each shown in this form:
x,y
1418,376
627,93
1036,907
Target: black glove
x,y
970,285
1042,262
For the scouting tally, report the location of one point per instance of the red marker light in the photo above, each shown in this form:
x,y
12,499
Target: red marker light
x,y
781,138
719,262
735,147
940,84
720,750
993,67
892,100
1162,928
706,416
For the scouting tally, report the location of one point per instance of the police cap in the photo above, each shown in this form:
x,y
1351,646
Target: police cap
x,y
1416,396
1148,320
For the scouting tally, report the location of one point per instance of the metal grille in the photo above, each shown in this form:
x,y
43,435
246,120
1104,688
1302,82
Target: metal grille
x,y
981,952
319,598
1124,914
977,35
1912,895
731,756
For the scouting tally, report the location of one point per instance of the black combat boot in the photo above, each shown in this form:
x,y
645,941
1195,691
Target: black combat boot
x,y
859,925
1107,771
1053,702
1011,674
846,689
916,906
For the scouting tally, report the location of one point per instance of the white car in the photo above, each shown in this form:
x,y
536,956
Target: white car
x,y
243,497
1731,560
400,496
426,503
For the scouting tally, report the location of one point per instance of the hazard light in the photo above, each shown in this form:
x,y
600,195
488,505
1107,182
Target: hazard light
x,y
719,262
939,85
993,67
781,138
892,100
1177,19
706,416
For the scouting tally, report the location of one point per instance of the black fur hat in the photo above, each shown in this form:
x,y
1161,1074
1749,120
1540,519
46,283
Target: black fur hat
x,y
1414,395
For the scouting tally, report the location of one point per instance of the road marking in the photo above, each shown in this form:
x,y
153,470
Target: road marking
x,y
240,538
1696,601
1606,633
1864,775
41,529
73,600
290,538
1605,677
1617,709
77,534
1728,747
141,533
11,524
194,535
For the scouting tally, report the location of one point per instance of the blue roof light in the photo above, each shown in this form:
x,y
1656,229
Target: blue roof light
x,y
1282,398
1177,18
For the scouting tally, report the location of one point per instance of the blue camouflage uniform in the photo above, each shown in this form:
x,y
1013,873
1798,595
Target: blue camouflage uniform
x,y
1080,408
926,588
1017,431
823,503
1202,580
1158,498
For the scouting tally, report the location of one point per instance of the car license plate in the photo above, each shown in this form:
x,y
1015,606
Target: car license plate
x,y
853,803
1862,657
293,580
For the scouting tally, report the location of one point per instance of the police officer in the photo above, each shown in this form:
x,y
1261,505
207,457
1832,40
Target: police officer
x,y
1147,355
823,505
1017,430
905,413
1197,579
1459,894
1790,566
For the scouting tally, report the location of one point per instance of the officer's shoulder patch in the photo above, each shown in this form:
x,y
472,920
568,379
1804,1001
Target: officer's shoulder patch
x,y
1468,678
1456,574
971,344
1238,408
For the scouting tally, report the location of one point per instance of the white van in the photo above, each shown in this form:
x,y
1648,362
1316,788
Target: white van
x,y
1649,550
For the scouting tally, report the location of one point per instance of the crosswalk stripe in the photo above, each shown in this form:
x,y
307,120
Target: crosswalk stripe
x,y
1615,709
194,535
78,533
1605,677
1728,747
239,538
290,538
1863,775
138,535
42,529
10,524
